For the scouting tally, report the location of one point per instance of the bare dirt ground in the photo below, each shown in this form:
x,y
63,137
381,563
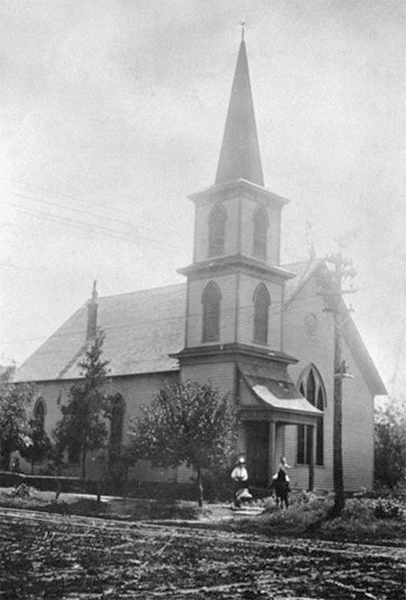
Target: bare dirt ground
x,y
51,556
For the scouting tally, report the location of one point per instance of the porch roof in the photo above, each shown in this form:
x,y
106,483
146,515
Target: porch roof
x,y
267,393
277,400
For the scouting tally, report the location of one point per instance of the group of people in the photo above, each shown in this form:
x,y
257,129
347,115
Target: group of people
x,y
240,477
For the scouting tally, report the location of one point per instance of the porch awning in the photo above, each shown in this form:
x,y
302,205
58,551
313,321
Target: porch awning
x,y
279,400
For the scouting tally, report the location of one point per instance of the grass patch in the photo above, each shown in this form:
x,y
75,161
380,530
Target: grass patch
x,y
129,509
368,520
363,520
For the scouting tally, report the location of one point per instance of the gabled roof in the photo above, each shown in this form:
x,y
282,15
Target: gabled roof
x,y
317,268
362,357
304,271
142,329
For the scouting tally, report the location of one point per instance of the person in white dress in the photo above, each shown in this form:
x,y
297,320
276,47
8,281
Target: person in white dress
x,y
240,477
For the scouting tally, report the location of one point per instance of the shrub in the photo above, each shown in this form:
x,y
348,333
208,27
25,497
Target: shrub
x,y
388,509
390,443
21,491
358,508
305,497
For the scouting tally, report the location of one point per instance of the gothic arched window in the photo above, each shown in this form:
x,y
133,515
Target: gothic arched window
x,y
217,230
262,302
39,415
211,301
261,223
312,387
116,427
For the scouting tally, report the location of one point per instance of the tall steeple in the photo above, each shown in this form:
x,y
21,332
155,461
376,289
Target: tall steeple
x,y
239,156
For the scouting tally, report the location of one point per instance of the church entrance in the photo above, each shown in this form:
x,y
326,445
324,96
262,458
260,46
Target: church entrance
x,y
257,437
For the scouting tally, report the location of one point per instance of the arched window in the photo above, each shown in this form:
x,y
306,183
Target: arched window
x,y
217,230
261,223
211,301
39,415
117,426
262,302
312,387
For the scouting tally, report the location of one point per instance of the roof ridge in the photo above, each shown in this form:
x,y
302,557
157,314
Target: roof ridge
x,y
162,287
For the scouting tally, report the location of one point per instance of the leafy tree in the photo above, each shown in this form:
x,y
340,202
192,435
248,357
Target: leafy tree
x,y
40,446
390,443
188,424
83,424
15,401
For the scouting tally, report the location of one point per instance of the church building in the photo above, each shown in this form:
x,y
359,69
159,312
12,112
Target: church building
x,y
263,332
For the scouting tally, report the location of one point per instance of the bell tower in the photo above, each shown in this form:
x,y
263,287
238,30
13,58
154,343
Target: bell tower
x,y
235,283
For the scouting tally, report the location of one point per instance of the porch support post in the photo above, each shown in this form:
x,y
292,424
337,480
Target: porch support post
x,y
311,458
271,450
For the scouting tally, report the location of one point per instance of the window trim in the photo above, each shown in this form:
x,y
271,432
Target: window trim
x,y
206,338
39,403
261,292
303,437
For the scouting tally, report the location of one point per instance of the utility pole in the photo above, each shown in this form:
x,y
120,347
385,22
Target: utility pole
x,y
341,270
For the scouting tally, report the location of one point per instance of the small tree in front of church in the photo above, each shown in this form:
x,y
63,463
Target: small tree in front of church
x,y
40,447
83,427
15,402
189,424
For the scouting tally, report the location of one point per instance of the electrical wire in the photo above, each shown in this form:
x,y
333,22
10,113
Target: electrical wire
x,y
97,229
81,201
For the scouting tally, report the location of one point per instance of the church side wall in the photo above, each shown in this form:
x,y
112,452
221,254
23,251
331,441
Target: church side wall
x,y
135,390
358,428
317,347
310,345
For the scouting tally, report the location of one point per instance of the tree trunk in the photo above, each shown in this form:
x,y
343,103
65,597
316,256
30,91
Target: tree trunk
x,y
5,458
84,463
199,486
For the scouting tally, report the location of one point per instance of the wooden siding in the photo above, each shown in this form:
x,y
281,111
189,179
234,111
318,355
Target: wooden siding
x,y
317,347
227,285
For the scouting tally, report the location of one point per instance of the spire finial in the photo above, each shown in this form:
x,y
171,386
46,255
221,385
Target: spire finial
x,y
242,30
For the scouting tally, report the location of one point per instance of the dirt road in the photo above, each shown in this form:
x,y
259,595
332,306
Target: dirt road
x,y
48,556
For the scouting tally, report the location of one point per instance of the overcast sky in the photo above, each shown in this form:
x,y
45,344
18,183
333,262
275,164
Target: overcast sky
x,y
112,112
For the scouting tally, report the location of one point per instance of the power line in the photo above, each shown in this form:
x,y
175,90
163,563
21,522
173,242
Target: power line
x,y
98,229
84,212
81,201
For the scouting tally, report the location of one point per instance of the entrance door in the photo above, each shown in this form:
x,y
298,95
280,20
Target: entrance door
x,y
257,452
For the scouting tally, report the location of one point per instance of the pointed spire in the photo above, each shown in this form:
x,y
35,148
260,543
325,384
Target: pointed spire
x,y
239,156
